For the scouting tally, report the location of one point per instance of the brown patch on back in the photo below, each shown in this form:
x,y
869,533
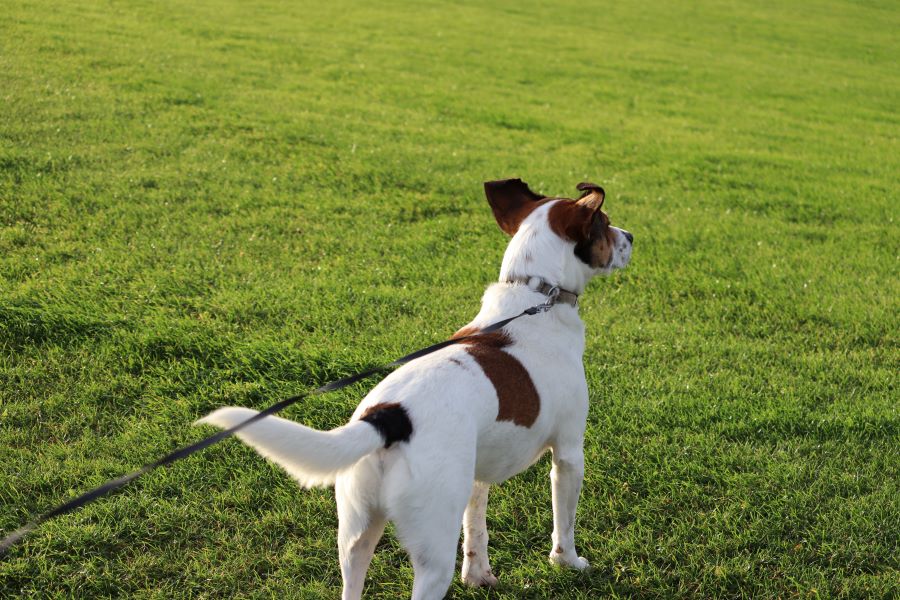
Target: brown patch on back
x,y
465,331
517,397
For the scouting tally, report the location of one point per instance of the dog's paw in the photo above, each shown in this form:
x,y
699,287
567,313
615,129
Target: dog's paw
x,y
476,571
569,559
484,579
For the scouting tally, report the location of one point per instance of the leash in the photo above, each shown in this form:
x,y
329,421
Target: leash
x,y
119,482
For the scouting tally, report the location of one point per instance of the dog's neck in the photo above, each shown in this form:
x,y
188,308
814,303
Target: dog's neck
x,y
554,293
537,252
501,300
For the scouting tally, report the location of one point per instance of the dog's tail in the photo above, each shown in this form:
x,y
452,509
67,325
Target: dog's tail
x,y
313,457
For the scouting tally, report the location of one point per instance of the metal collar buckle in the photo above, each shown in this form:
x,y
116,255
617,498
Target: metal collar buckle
x,y
554,293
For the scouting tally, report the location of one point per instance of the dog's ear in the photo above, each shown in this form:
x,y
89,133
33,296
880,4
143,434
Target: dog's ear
x,y
592,195
511,201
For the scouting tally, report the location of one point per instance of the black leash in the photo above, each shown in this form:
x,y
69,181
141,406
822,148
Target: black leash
x,y
113,485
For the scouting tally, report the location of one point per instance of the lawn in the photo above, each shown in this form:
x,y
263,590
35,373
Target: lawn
x,y
216,202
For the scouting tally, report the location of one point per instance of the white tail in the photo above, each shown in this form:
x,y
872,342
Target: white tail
x,y
310,456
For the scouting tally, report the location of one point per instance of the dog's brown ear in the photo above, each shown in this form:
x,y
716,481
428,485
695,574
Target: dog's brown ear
x,y
592,195
511,201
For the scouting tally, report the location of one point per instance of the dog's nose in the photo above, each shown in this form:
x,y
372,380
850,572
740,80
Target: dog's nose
x,y
629,237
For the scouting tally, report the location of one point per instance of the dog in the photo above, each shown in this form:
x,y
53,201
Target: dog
x,y
423,447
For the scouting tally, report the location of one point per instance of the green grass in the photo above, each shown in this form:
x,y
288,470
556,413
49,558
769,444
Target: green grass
x,y
211,203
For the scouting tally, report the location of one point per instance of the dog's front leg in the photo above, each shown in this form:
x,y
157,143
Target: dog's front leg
x,y
476,569
566,477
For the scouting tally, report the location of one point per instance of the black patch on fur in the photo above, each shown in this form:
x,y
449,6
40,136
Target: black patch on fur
x,y
391,421
583,251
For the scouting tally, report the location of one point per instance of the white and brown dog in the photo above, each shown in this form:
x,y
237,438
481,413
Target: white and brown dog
x,y
425,445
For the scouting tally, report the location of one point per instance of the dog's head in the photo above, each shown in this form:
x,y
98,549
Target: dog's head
x,y
563,240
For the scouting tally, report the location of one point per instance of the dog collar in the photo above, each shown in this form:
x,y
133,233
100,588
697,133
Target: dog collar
x,y
554,292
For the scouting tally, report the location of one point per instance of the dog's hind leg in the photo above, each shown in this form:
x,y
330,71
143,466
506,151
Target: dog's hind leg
x,y
427,517
359,529
432,548
360,525
356,549
476,569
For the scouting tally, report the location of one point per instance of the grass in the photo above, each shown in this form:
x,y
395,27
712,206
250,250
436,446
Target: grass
x,y
212,203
